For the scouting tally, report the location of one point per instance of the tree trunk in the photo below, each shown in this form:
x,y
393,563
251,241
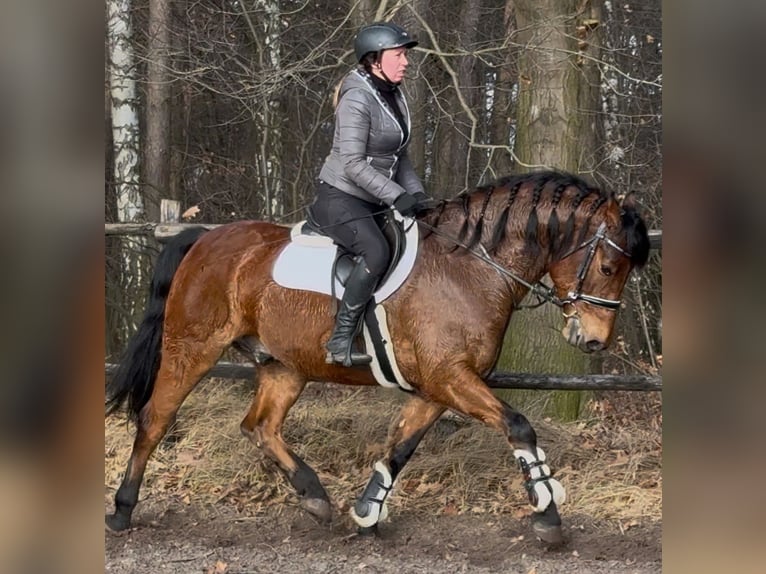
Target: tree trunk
x,y
125,130
502,123
112,320
451,84
556,128
558,95
125,139
468,82
157,153
269,156
417,94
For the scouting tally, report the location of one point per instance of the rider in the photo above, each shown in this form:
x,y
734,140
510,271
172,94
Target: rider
x,y
367,170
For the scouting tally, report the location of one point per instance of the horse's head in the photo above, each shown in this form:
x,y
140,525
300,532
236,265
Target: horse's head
x,y
591,276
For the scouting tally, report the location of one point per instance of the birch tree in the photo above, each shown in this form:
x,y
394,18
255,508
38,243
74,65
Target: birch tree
x,y
271,110
125,130
130,205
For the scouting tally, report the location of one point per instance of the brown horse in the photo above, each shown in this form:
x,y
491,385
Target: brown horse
x,y
481,253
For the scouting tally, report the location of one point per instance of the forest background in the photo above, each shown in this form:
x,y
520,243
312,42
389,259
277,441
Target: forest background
x,y
226,106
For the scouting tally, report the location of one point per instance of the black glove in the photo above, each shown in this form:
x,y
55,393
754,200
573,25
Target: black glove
x,y
406,204
424,202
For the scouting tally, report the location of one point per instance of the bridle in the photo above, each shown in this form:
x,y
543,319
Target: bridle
x,y
582,271
543,292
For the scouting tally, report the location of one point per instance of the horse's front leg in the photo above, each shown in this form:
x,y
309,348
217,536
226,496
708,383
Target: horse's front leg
x,y
414,420
467,393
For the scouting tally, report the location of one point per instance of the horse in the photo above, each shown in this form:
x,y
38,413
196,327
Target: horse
x,y
480,254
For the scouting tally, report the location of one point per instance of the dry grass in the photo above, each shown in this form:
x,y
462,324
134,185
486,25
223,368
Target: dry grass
x,y
611,465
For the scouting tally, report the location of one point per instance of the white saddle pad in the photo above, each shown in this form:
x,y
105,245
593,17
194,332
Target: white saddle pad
x,y
306,263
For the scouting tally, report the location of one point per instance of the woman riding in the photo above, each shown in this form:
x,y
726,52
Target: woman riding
x,y
366,171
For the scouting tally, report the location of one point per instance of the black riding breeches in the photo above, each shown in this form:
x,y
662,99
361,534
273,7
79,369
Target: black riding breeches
x,y
351,222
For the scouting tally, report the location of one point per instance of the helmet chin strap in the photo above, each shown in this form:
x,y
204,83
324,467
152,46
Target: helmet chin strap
x,y
385,77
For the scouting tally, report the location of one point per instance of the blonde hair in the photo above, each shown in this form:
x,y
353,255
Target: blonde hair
x,y
336,90
336,93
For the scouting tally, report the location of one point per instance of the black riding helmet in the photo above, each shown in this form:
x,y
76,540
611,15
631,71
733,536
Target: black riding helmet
x,y
381,36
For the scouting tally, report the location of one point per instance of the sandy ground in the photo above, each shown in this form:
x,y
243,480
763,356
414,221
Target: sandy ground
x,y
211,504
178,537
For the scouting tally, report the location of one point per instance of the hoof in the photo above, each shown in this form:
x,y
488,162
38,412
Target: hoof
x,y
548,533
117,522
318,507
367,530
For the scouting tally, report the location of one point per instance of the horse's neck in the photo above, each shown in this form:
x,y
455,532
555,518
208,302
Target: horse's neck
x,y
514,256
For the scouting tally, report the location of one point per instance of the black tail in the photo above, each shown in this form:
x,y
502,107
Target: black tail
x,y
134,378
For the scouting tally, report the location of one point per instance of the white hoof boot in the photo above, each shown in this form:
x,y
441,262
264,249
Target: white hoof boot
x,y
371,507
542,488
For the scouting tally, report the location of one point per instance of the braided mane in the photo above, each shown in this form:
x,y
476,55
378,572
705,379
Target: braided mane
x,y
513,202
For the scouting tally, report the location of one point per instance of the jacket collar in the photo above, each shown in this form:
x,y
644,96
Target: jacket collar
x,y
368,84
383,85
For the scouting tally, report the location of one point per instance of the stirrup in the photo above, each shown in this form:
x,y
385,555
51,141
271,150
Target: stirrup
x,y
347,359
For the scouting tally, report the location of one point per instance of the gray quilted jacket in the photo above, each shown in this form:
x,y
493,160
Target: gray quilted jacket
x,y
369,154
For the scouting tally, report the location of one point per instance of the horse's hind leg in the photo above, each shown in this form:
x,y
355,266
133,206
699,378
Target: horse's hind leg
x,y
414,420
278,389
176,377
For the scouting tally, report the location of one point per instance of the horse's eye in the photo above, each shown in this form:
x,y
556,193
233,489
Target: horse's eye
x,y
606,270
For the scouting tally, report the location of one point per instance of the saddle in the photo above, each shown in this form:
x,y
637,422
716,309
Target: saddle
x,y
392,229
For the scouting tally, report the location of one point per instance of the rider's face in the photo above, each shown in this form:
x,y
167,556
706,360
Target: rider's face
x,y
393,63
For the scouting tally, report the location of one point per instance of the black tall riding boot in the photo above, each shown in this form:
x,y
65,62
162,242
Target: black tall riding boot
x,y
359,289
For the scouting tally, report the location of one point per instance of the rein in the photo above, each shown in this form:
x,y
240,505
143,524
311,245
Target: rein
x,y
543,292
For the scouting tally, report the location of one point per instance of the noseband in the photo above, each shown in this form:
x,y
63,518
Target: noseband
x,y
582,271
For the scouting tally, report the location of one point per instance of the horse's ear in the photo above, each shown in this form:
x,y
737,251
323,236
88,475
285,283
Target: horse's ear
x,y
629,202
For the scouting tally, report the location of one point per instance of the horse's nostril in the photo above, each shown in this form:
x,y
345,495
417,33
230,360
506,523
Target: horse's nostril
x,y
595,345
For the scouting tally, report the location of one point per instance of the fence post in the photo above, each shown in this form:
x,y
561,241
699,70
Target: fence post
x,y
170,211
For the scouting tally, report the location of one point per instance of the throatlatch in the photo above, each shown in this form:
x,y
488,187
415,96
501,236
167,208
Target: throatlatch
x,y
371,508
541,487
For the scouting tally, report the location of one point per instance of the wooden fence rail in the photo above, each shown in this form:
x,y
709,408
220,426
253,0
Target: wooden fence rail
x,y
164,231
498,380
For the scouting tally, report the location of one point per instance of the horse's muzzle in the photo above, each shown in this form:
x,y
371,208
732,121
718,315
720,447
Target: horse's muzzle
x,y
574,335
594,345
